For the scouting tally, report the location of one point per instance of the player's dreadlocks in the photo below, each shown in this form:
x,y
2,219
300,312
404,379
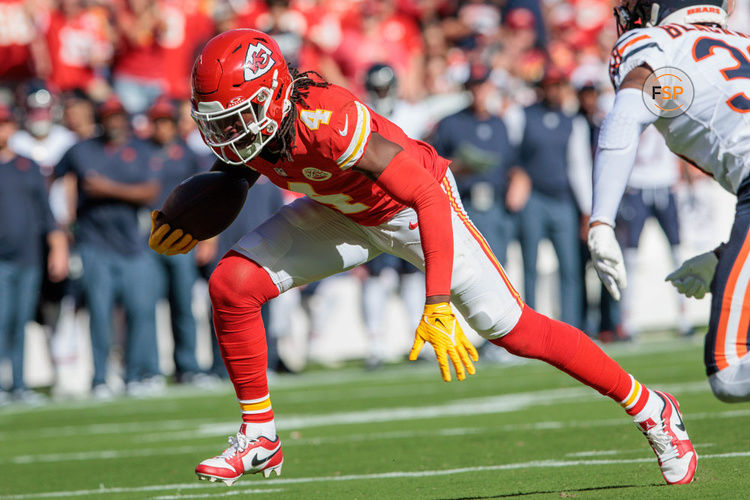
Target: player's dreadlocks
x,y
301,82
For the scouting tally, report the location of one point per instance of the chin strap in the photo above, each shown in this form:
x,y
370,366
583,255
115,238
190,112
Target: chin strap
x,y
655,8
287,98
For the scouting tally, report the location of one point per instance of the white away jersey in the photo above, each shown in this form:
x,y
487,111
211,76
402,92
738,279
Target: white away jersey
x,y
714,132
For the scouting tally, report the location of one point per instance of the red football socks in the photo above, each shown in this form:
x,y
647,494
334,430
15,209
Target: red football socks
x,y
238,288
572,351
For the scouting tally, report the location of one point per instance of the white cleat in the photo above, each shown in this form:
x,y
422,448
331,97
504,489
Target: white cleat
x,y
277,469
665,431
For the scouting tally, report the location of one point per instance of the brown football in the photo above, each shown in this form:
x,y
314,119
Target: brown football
x,y
205,204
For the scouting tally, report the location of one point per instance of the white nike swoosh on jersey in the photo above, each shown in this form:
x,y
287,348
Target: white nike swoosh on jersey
x,y
346,127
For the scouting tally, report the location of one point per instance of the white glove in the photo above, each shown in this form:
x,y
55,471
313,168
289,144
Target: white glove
x,y
693,278
607,257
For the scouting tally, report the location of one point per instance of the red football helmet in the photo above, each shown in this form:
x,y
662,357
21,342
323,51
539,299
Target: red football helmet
x,y
241,89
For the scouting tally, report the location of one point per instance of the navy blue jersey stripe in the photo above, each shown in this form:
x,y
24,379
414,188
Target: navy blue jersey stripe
x,y
625,38
635,51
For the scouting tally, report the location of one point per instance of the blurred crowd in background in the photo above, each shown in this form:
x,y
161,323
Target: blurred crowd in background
x,y
95,130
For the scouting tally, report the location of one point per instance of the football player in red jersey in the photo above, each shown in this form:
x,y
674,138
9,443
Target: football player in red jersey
x,y
370,189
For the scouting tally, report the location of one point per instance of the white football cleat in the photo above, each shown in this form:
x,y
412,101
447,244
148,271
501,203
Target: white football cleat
x,y
666,433
243,456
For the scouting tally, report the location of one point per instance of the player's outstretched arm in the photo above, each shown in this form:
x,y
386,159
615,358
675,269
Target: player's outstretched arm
x,y
408,182
615,156
168,240
401,176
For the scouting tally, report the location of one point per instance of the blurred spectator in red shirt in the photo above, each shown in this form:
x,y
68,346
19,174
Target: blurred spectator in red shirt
x,y
186,24
535,8
22,53
289,28
80,44
233,14
307,31
383,35
520,39
575,27
426,11
481,17
589,17
138,75
325,20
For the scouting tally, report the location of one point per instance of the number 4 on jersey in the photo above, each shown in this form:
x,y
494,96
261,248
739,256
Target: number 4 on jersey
x,y
313,118
342,202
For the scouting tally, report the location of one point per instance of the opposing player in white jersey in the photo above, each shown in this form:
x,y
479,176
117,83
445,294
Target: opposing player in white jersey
x,y
650,193
712,133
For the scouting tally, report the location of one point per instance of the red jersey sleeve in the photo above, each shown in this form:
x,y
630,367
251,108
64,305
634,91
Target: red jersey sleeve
x,y
350,133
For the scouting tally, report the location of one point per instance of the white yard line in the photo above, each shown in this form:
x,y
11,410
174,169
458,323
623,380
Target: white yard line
x,y
361,437
113,428
464,407
202,427
208,448
358,477
604,453
331,378
232,493
597,453
344,438
105,454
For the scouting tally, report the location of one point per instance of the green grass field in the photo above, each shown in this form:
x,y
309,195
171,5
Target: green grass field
x,y
510,431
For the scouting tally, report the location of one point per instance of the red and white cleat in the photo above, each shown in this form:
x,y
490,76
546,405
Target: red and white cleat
x,y
243,456
665,430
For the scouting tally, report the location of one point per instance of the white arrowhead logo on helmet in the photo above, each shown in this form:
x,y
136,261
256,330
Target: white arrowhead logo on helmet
x,y
258,61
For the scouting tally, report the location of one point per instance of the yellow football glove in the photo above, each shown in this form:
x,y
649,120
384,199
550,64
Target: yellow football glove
x,y
440,328
175,241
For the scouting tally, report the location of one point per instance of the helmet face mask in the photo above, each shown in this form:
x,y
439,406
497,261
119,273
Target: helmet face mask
x,y
243,129
240,97
627,18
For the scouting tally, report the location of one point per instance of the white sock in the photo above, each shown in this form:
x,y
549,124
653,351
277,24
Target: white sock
x,y
256,429
654,404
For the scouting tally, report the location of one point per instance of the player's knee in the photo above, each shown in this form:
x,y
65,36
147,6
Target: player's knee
x,y
238,282
492,318
727,388
524,337
492,326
